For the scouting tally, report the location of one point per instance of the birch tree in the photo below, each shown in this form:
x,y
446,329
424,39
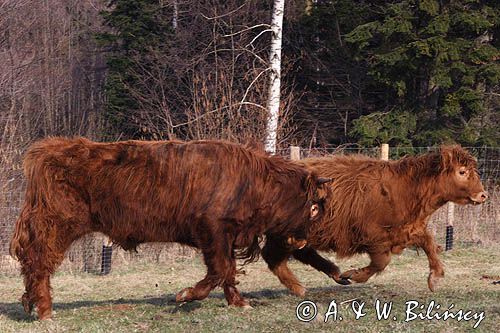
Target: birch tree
x,y
273,102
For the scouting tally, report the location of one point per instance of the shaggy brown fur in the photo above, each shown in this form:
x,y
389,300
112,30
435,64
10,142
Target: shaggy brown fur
x,y
215,196
380,208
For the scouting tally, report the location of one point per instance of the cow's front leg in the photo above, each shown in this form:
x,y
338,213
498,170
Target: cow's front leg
x,y
378,263
221,270
431,249
276,255
310,256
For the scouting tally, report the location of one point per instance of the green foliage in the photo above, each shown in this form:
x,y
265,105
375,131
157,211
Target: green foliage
x,y
431,7
491,73
136,26
363,33
472,21
434,60
433,136
391,127
438,59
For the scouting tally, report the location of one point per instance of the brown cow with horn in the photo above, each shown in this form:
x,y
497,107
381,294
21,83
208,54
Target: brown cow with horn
x,y
380,208
216,196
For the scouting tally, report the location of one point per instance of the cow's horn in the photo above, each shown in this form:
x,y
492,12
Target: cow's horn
x,y
323,180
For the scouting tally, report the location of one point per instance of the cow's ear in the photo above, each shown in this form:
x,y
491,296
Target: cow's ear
x,y
321,192
449,157
446,158
453,155
314,180
310,185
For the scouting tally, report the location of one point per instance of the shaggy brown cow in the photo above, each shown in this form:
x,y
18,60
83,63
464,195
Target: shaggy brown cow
x,y
215,196
380,208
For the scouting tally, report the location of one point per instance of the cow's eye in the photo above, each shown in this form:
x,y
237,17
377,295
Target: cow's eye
x,y
462,172
314,210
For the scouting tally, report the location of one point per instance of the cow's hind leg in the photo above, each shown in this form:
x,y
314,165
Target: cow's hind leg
x,y
276,256
232,294
40,261
37,283
221,271
377,264
40,241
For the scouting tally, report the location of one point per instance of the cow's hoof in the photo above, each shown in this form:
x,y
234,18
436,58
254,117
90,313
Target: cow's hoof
x,y
298,290
433,281
343,281
349,275
27,305
239,302
247,307
184,295
355,275
45,315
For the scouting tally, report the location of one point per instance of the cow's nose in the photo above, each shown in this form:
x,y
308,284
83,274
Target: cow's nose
x,y
479,197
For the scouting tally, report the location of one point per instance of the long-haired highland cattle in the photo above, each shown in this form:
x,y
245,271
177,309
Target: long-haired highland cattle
x,y
215,196
380,208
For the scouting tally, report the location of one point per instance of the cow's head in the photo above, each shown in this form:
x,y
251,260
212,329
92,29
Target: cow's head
x,y
460,178
318,191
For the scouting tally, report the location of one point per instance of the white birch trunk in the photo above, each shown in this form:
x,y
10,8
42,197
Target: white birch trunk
x,y
273,102
176,15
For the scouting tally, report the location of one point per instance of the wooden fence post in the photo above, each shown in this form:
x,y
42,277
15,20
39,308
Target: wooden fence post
x,y
384,152
294,153
449,226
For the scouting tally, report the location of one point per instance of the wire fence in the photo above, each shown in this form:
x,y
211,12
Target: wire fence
x,y
474,225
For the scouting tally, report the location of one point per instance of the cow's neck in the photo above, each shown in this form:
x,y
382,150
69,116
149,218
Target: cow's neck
x,y
418,189
429,197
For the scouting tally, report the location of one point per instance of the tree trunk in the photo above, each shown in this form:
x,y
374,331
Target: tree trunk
x,y
175,16
273,102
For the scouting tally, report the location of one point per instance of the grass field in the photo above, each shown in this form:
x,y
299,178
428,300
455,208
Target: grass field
x,y
141,298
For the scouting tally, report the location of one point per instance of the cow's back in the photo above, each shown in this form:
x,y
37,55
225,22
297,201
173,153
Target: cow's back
x,y
161,190
165,183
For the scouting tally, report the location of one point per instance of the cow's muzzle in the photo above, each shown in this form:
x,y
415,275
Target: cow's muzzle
x,y
479,198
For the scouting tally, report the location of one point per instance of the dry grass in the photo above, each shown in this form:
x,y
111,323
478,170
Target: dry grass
x,y
140,298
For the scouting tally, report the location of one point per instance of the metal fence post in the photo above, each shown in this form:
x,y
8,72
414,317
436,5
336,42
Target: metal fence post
x,y
107,254
449,226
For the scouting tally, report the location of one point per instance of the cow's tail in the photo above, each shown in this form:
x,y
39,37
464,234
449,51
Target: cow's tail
x,y
20,238
37,181
250,253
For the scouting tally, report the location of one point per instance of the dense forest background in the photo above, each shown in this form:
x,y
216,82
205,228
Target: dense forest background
x,y
410,73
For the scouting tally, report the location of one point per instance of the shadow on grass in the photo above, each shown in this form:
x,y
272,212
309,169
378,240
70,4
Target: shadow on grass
x,y
257,298
15,311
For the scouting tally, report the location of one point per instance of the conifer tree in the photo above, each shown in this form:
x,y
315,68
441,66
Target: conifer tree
x,y
136,27
440,61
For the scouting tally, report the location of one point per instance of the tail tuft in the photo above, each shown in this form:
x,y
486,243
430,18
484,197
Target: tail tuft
x,y
250,253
